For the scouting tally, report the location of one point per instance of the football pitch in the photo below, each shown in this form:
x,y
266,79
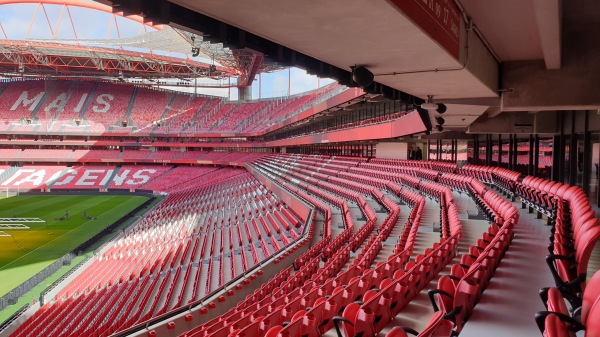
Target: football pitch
x,y
25,252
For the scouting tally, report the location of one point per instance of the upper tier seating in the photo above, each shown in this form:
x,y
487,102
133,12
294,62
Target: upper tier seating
x,y
290,108
77,94
183,110
242,113
109,105
100,107
149,106
20,99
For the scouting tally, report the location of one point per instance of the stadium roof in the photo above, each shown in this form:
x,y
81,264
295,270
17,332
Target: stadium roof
x,y
71,60
480,58
162,52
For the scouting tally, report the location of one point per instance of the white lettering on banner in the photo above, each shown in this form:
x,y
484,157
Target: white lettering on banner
x,y
101,99
89,178
25,101
34,178
15,176
58,103
106,177
142,179
447,14
120,177
54,177
454,28
67,178
81,102
440,19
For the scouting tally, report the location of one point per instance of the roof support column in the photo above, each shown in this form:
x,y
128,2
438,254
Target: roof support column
x,y
587,154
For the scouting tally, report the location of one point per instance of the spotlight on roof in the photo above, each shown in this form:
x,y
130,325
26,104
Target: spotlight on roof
x,y
362,76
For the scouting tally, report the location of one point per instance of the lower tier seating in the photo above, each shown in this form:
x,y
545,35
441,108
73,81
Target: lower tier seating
x,y
220,222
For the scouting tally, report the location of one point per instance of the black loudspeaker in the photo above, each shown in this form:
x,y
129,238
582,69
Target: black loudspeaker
x,y
441,108
440,120
362,76
439,128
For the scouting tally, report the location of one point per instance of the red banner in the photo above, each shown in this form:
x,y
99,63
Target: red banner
x,y
407,125
440,19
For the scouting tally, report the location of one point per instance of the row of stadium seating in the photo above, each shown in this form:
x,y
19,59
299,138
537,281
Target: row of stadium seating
x,y
576,229
59,155
575,233
88,107
522,159
159,178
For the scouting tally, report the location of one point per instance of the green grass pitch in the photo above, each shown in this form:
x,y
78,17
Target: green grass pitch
x,y
29,251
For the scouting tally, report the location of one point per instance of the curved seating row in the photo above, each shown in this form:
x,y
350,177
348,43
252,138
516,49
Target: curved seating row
x,y
557,320
575,231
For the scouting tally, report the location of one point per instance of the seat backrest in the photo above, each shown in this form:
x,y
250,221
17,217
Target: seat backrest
x,y
570,192
396,332
554,327
437,326
585,247
457,270
446,285
592,328
556,302
590,296
555,188
350,313
561,190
